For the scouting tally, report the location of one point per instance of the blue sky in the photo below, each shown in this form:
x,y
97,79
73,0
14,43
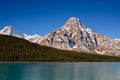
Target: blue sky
x,y
44,16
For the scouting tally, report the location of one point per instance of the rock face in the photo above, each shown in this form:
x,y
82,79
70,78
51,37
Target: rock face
x,y
73,36
107,45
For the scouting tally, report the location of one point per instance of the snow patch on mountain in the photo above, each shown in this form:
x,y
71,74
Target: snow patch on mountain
x,y
9,30
32,38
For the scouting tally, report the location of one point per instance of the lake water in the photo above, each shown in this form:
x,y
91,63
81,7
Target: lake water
x,y
60,71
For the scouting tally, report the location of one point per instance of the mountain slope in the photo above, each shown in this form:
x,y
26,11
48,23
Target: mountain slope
x,y
16,49
108,46
74,36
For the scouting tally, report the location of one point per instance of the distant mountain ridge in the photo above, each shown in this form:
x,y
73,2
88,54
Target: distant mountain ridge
x,y
73,36
9,30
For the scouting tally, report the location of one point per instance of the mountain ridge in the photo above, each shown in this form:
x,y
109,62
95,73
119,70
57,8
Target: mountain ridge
x,y
74,36
9,30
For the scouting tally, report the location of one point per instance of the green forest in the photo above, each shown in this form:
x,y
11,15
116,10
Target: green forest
x,y
13,49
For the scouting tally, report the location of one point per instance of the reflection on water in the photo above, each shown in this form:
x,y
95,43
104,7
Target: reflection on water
x,y
60,71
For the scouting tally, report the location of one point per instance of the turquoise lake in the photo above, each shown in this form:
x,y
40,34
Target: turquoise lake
x,y
60,71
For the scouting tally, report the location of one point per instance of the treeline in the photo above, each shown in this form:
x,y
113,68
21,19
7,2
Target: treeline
x,y
16,49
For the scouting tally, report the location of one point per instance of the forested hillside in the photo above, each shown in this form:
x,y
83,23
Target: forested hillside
x,y
16,49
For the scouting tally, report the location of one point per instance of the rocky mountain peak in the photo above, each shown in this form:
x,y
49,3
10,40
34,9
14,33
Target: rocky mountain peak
x,y
74,23
71,36
72,20
7,29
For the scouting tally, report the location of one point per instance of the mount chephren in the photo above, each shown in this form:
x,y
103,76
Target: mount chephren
x,y
72,36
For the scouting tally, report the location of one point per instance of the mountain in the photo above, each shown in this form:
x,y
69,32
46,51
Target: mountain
x,y
73,36
9,30
23,50
34,38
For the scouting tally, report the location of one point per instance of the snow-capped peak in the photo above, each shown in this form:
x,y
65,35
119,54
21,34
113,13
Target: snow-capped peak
x,y
32,38
117,39
36,35
8,30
